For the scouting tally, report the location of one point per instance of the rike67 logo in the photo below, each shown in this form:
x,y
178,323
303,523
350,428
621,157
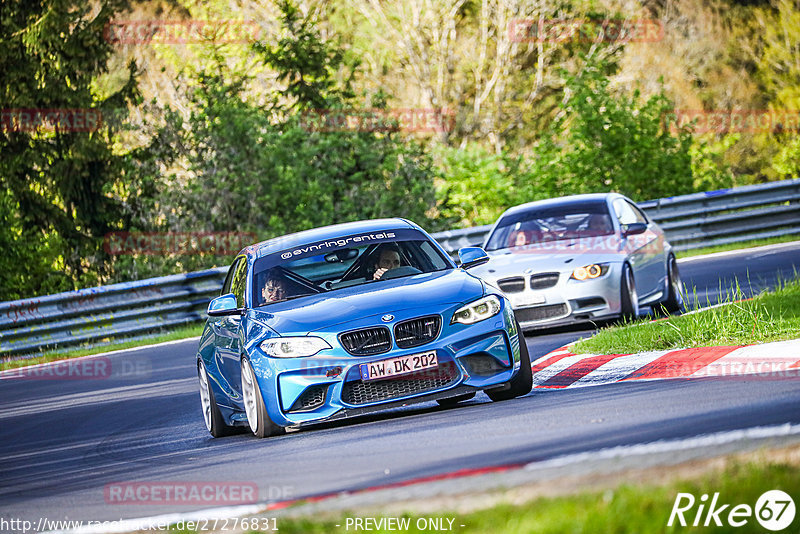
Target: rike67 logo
x,y
774,510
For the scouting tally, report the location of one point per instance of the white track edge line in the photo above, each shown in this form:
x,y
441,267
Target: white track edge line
x,y
15,371
666,446
639,449
738,251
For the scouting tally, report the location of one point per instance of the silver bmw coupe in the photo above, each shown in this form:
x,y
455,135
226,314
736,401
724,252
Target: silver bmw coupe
x,y
583,258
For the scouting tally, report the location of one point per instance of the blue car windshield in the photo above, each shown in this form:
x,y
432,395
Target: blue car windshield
x,y
342,262
540,225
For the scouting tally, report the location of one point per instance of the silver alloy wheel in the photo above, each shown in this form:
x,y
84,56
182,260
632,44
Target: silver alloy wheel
x,y
249,395
205,398
630,284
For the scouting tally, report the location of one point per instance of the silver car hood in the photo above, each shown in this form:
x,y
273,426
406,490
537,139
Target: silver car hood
x,y
504,263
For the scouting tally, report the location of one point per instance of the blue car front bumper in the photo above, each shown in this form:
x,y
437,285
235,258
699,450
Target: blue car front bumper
x,y
299,391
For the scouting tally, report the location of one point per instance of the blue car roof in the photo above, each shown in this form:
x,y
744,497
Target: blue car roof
x,y
276,244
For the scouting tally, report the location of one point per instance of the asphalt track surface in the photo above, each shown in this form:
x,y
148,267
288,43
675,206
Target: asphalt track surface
x,y
63,441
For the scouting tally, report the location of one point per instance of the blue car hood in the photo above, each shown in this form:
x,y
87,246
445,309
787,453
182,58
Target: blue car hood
x,y
317,312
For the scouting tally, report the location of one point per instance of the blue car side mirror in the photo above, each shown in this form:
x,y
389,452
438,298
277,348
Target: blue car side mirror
x,y
472,257
223,305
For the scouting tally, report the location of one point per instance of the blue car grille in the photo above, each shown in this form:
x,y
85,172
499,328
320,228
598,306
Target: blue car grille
x,y
417,332
366,341
359,392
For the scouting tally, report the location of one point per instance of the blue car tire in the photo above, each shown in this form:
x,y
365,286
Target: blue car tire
x,y
215,424
257,417
522,384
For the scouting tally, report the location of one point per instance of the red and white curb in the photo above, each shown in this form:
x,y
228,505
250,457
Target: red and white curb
x,y
562,368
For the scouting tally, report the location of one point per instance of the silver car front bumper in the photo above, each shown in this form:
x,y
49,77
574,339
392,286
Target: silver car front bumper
x,y
568,301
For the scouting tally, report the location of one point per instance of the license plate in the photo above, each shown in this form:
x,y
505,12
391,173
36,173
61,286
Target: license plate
x,y
518,301
401,365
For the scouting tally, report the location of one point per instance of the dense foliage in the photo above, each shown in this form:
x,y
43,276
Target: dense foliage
x,y
244,137
60,190
601,141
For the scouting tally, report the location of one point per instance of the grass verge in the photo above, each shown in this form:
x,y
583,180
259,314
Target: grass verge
x,y
172,335
623,508
737,246
773,316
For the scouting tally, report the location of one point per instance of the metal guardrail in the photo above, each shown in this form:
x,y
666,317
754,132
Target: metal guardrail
x,y
729,215
94,316
700,219
97,315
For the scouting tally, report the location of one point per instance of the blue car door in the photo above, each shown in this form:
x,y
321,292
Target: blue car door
x,y
226,330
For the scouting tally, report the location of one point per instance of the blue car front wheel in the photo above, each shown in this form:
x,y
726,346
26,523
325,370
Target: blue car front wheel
x,y
257,417
215,424
522,383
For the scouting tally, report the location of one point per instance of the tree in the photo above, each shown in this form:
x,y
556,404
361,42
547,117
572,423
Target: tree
x,y
479,185
602,141
779,72
59,186
265,169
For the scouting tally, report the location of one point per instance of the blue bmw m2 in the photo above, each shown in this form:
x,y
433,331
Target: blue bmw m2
x,y
350,319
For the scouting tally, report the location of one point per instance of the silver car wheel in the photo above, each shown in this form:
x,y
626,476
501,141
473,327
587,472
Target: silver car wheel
x,y
630,286
675,281
249,396
205,398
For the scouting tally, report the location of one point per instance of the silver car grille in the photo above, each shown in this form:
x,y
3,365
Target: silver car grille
x,y
544,280
512,285
541,313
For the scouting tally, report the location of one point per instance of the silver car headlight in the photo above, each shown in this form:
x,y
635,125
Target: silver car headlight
x,y
589,272
477,311
294,347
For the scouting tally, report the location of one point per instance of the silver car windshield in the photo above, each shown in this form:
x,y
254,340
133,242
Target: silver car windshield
x,y
568,221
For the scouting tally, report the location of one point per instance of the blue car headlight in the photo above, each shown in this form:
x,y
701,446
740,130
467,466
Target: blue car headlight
x,y
477,311
294,347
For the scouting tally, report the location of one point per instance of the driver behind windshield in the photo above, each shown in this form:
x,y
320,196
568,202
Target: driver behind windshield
x,y
274,288
388,259
599,224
